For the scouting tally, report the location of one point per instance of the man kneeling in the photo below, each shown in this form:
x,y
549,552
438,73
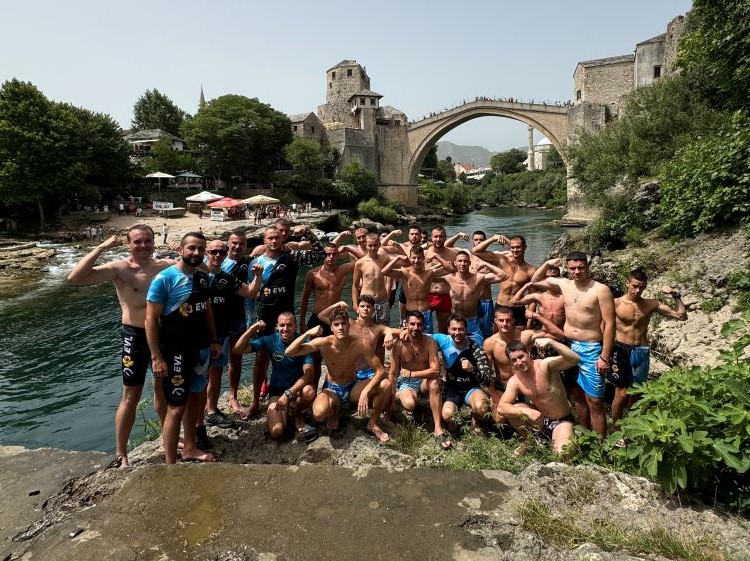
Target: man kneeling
x,y
340,353
290,385
539,380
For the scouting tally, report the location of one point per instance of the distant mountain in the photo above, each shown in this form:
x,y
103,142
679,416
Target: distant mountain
x,y
477,155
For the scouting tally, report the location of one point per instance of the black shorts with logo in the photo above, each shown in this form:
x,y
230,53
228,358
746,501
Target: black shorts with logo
x,y
136,356
181,365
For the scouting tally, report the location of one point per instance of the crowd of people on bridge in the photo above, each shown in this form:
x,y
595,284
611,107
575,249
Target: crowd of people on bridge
x,y
504,99
422,321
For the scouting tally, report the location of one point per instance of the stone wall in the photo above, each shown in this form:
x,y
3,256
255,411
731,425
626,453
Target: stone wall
x,y
607,82
586,116
393,152
648,56
675,30
405,194
355,144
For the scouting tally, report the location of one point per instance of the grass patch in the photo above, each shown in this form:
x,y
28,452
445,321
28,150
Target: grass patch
x,y
564,531
146,428
479,452
409,438
712,304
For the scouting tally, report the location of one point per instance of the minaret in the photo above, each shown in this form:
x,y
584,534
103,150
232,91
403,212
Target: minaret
x,y
530,164
202,100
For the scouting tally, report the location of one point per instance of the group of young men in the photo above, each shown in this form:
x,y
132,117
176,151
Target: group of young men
x,y
518,357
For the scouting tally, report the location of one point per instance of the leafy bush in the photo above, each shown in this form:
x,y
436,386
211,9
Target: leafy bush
x,y
697,438
708,182
623,220
377,211
540,187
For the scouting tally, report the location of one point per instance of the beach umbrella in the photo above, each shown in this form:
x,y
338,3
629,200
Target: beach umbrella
x,y
261,200
203,197
160,175
226,202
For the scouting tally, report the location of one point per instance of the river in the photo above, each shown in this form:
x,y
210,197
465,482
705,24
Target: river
x,y
59,345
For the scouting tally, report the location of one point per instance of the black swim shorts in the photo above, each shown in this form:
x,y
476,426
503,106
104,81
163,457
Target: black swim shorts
x,y
136,356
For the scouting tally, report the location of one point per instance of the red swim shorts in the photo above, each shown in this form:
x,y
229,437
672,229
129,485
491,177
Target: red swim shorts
x,y
440,302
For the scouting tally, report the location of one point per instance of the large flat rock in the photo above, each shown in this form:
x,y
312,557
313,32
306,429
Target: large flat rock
x,y
230,511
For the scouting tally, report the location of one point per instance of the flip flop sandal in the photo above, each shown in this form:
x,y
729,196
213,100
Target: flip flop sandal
x,y
442,439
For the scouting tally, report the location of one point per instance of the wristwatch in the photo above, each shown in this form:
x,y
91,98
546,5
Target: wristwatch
x,y
289,395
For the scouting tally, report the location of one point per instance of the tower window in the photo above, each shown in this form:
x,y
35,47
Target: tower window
x,y
657,71
313,129
578,95
372,101
349,72
330,85
333,75
362,100
294,128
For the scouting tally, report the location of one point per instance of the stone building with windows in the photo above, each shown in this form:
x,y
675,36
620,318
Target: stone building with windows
x,y
353,121
601,86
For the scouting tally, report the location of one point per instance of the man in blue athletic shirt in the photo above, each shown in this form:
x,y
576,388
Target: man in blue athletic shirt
x,y
179,330
280,268
290,383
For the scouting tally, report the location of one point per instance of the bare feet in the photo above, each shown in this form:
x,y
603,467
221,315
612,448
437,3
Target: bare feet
x,y
197,455
379,433
235,406
124,463
333,421
299,423
250,412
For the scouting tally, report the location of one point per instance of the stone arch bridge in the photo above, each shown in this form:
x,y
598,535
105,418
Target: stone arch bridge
x,y
550,119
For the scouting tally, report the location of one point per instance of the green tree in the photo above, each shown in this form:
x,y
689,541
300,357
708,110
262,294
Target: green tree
x,y
154,110
430,162
238,136
163,157
509,161
50,151
708,183
305,155
331,160
361,179
715,53
445,171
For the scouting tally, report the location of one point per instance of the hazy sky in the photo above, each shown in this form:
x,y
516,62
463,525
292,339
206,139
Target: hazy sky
x,y
420,55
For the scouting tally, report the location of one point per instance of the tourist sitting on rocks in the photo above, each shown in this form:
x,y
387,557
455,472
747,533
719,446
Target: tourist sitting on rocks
x,y
290,388
539,381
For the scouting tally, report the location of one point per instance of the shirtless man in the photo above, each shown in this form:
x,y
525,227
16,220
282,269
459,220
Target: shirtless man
x,y
631,358
376,336
539,381
368,279
514,264
549,304
486,305
414,368
414,239
327,283
466,287
494,348
590,326
340,351
359,250
439,297
131,277
416,281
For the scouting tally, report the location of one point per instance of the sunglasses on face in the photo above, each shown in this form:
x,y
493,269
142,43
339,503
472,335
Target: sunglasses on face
x,y
217,251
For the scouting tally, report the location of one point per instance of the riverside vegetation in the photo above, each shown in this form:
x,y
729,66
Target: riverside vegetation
x,y
675,165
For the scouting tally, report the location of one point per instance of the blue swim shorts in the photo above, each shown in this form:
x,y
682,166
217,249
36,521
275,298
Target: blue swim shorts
x,y
342,391
409,384
590,381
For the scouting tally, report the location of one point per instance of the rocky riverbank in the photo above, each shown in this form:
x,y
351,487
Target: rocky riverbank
x,y
68,506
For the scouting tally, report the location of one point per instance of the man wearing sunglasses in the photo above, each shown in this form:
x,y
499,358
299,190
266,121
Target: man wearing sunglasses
x,y
222,287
